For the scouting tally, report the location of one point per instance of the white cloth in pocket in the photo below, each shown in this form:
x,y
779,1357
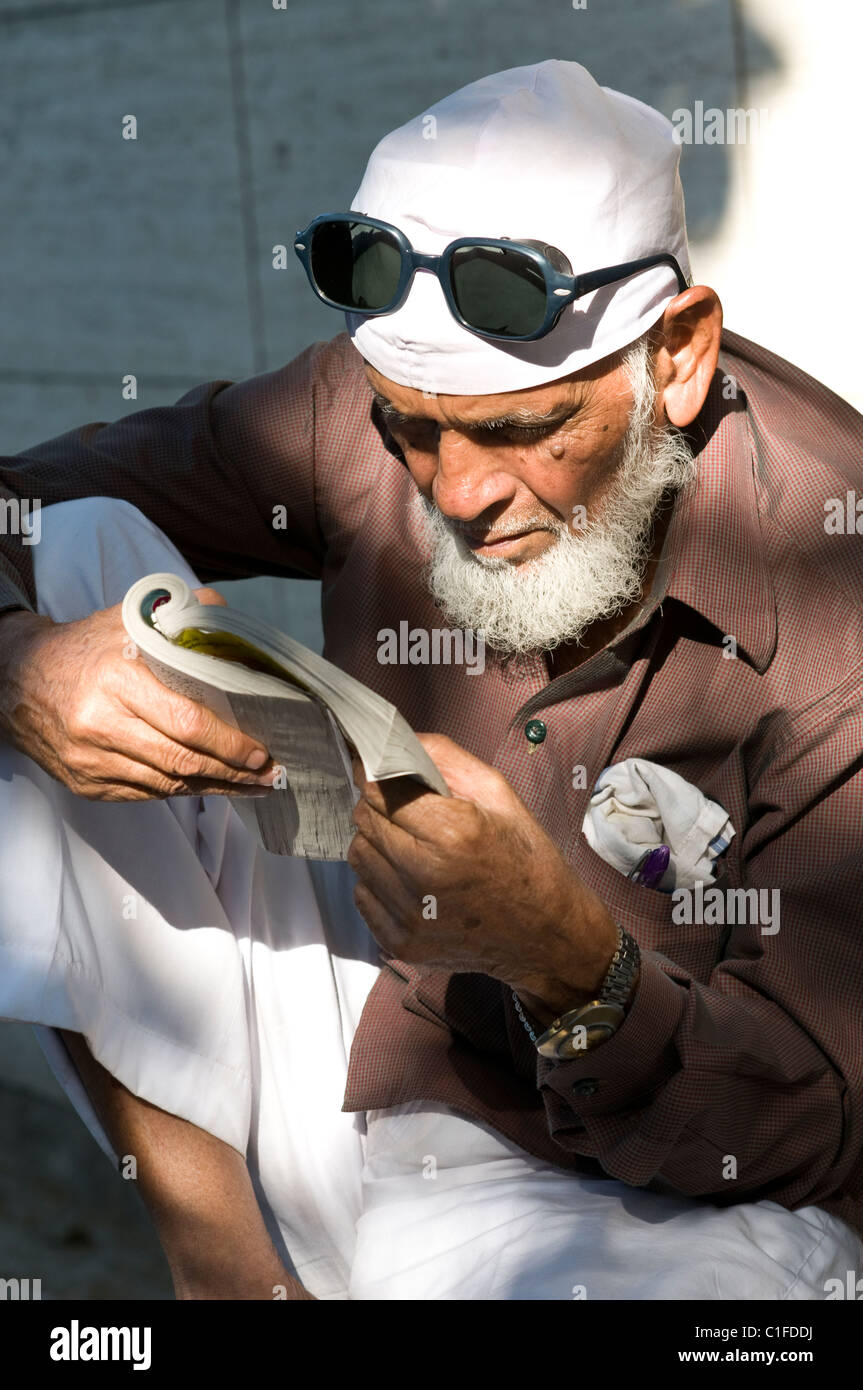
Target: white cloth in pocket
x,y
638,805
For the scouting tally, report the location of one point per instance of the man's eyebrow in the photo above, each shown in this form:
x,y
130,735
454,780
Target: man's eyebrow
x,y
386,407
520,418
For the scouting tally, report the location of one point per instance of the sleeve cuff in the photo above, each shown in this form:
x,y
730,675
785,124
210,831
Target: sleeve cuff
x,y
11,597
623,1072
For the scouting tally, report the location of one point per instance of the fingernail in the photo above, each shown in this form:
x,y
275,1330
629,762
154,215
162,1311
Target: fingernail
x,y
257,759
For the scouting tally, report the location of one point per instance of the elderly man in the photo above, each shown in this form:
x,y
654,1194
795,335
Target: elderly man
x,y
610,1045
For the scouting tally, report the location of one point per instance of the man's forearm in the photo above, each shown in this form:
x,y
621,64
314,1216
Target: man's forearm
x,y
198,1192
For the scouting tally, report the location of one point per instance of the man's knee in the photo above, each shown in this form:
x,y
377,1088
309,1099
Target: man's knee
x,y
91,549
62,520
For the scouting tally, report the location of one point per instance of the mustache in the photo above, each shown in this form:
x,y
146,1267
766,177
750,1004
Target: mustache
x,y
537,521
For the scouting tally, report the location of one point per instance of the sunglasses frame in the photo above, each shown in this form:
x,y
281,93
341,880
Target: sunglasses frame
x,y
560,289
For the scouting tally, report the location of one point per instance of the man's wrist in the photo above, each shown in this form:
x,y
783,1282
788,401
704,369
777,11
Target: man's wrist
x,y
17,627
593,1021
550,995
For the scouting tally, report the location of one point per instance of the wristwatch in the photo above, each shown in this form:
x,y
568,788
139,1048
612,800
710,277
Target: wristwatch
x,y
580,1029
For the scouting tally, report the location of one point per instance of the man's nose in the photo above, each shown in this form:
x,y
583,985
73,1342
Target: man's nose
x,y
470,477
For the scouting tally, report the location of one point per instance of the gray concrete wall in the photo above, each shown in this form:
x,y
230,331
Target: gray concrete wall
x,y
154,256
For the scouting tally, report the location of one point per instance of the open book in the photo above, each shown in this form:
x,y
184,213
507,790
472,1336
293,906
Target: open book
x,y
301,707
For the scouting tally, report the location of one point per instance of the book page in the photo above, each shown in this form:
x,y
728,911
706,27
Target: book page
x,y
311,815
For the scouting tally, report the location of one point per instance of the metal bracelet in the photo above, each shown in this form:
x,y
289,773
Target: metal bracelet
x,y
520,1011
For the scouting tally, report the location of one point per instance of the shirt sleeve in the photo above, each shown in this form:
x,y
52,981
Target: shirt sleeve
x,y
228,473
749,1085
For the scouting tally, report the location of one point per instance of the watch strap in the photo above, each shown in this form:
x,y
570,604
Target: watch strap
x,y
618,983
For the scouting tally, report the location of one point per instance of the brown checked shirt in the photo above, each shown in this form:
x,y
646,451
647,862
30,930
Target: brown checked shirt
x,y
738,1043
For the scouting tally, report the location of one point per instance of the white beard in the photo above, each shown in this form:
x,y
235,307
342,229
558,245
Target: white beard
x,y
586,575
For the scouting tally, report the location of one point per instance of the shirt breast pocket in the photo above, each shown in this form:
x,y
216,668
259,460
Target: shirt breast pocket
x,y
660,922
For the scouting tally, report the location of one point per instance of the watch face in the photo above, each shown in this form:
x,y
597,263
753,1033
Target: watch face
x,y
581,1030
598,1032
583,1037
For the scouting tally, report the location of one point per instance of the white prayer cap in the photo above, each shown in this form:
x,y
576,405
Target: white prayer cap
x,y
540,153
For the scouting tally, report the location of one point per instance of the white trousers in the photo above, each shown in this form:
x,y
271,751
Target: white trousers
x,y
224,984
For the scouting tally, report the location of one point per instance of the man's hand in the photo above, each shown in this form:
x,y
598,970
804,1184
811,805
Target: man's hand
x,y
474,883
76,701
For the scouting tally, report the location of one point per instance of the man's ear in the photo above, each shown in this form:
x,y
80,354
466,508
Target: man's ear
x,y
686,353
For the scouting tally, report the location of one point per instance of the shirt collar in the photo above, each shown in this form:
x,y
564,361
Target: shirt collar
x,y
713,556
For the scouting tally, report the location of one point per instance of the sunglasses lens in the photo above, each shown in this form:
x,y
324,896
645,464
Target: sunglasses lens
x,y
356,265
497,290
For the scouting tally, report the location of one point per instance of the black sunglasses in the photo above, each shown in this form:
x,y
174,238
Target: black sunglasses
x,y
494,287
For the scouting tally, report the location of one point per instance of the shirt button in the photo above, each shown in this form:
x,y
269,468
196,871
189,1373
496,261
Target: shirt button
x,y
535,730
588,1087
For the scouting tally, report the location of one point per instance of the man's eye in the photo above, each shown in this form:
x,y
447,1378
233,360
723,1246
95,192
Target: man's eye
x,y
535,431
522,434
415,436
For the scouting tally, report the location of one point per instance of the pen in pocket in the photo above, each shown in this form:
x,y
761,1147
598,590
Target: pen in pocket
x,y
651,867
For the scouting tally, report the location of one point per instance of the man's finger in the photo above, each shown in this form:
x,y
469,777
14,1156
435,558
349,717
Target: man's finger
x,y
381,877
142,743
466,775
396,795
122,778
210,596
400,799
190,724
383,927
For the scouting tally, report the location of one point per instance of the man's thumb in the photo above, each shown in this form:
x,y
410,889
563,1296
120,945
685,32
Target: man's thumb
x,y
209,596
